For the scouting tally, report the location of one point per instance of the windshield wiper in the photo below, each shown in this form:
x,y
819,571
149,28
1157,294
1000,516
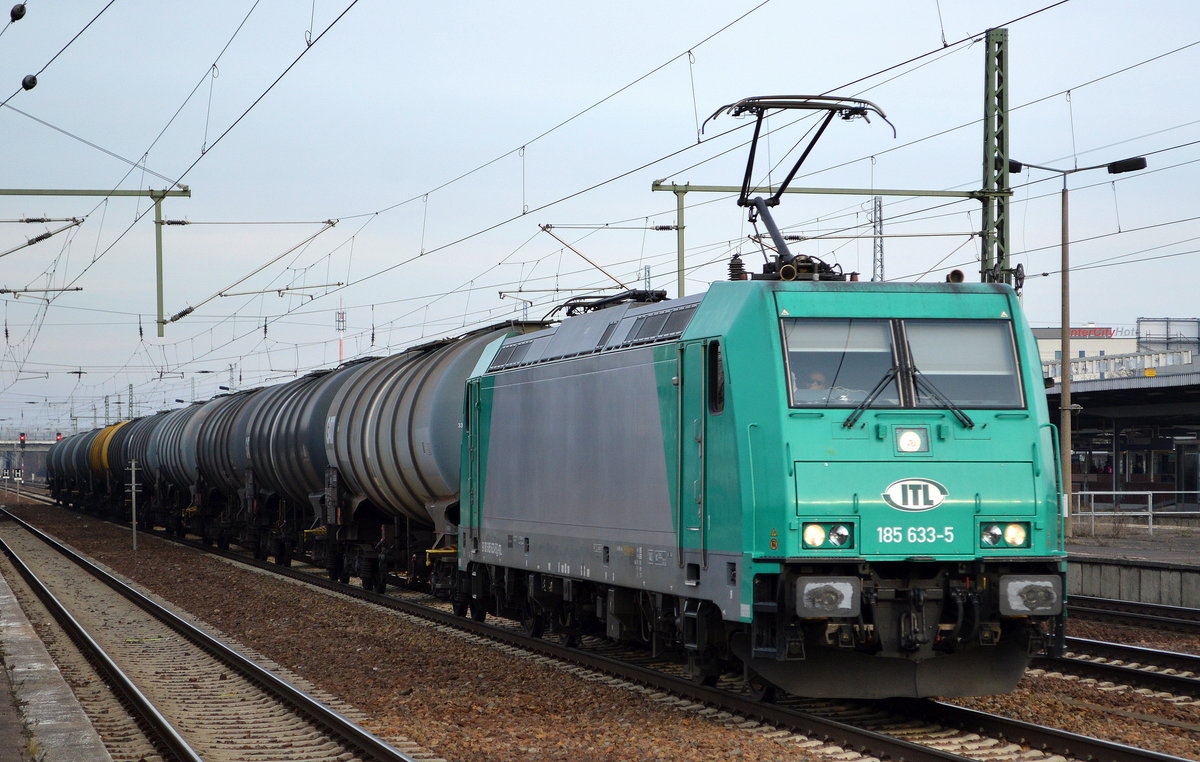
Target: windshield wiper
x,y
862,406
924,383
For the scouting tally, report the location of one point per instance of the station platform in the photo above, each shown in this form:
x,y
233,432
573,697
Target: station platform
x,y
1163,568
40,718
1165,547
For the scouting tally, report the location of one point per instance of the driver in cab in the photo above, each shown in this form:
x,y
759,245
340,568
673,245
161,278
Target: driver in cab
x,y
810,388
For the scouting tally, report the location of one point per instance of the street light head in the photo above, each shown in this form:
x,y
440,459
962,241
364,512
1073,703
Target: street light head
x,y
1015,167
1127,165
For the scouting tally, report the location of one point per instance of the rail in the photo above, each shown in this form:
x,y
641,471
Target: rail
x,y
370,746
1116,509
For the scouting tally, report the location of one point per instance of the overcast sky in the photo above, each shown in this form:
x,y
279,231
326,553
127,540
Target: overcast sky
x,y
440,137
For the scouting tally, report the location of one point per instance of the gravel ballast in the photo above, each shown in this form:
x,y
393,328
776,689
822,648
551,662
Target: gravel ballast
x,y
466,701
461,700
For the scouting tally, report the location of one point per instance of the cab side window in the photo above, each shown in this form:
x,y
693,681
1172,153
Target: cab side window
x,y
716,378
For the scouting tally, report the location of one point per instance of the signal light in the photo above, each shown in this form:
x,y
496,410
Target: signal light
x,y
58,437
22,438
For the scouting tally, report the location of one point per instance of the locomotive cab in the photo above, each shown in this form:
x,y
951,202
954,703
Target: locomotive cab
x,y
914,516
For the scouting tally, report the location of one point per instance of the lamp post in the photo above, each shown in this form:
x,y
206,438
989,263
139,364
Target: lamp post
x,y
1065,406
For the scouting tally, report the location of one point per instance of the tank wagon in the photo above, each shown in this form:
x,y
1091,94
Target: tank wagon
x,y
358,466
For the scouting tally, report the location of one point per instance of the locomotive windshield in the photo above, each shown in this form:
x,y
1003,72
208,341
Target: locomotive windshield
x,y
972,362
837,362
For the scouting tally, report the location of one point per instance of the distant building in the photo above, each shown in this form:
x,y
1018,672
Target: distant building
x,y
1157,345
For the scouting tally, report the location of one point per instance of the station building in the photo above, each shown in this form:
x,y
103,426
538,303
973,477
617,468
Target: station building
x,y
1137,426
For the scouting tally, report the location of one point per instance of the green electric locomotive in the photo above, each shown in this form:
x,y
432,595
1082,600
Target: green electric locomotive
x,y
847,489
834,487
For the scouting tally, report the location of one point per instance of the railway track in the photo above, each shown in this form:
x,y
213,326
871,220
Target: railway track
x,y
913,730
1135,613
196,698
1175,673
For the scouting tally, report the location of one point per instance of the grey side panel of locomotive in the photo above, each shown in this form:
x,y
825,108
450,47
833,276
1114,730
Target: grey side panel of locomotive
x,y
580,444
578,481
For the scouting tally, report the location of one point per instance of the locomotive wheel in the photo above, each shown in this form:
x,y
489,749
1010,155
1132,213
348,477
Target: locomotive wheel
x,y
460,606
566,623
760,689
533,623
222,543
380,583
703,669
478,610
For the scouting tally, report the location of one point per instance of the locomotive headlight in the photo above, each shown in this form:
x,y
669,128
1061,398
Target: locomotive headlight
x,y
1015,535
839,535
912,440
990,535
814,535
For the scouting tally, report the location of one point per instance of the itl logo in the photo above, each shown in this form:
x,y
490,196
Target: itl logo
x,y
914,494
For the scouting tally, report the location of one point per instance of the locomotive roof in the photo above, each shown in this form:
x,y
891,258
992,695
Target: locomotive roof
x,y
617,327
630,324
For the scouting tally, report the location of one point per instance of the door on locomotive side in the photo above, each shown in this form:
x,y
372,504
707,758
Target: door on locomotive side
x,y
471,496
692,467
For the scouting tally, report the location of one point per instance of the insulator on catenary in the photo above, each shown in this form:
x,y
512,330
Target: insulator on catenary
x,y
29,82
737,271
17,13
